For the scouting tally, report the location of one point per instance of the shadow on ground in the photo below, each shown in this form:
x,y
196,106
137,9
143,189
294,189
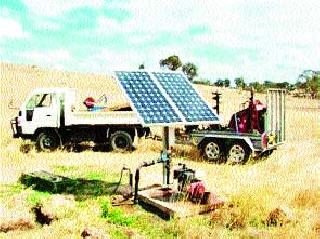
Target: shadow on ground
x,y
81,188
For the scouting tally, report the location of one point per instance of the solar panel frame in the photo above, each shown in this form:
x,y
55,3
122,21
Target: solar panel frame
x,y
168,98
192,105
146,102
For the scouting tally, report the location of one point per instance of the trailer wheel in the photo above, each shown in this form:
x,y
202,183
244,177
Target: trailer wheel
x,y
212,151
121,141
238,153
47,141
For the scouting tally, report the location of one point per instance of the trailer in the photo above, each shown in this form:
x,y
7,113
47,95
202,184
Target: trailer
x,y
49,117
253,131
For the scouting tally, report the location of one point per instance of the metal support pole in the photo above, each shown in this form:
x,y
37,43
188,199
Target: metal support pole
x,y
250,109
216,98
136,186
165,157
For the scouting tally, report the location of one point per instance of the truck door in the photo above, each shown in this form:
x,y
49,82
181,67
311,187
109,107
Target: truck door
x,y
41,111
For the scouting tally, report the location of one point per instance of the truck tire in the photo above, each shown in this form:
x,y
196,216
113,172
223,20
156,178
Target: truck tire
x,y
121,141
47,141
212,151
238,153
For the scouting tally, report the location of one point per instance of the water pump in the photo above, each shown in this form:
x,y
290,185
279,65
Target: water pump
x,y
183,176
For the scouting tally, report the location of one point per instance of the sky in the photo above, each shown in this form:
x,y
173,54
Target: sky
x,y
257,39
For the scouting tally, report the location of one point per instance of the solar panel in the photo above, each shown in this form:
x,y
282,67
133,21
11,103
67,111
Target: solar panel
x,y
185,97
147,98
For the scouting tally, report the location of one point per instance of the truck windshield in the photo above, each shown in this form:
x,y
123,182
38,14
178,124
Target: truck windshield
x,y
40,100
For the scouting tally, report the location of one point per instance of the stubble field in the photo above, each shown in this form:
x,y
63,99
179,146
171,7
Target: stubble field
x,y
288,179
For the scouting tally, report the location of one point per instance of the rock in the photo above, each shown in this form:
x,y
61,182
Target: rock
x,y
94,233
65,201
42,216
230,217
316,226
125,191
59,206
10,219
236,220
117,199
25,148
279,216
16,224
132,234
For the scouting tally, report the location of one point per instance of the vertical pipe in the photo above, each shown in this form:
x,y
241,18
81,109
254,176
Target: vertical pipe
x,y
131,180
270,111
168,172
165,154
236,123
250,108
136,178
266,121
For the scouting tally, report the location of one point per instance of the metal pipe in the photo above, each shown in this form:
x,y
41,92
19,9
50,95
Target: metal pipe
x,y
131,180
137,177
250,109
165,156
236,122
168,172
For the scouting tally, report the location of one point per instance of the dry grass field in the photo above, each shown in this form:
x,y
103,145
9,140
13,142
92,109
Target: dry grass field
x,y
288,179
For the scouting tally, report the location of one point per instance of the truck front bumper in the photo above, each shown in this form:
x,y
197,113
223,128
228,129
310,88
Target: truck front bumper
x,y
16,129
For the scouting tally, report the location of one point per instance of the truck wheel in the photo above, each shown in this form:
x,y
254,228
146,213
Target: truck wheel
x,y
238,153
212,151
47,141
121,141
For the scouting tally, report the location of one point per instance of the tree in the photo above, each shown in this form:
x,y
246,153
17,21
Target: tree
x,y
219,83
257,86
285,85
172,62
141,66
269,84
239,81
226,82
309,81
313,86
191,70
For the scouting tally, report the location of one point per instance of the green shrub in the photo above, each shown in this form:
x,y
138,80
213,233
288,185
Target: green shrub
x,y
115,215
37,197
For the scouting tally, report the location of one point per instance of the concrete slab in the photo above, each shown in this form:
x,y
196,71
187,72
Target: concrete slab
x,y
173,205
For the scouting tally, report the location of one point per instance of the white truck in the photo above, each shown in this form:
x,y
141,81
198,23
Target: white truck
x,y
49,117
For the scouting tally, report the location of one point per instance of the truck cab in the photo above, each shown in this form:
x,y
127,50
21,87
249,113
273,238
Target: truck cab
x,y
42,108
50,117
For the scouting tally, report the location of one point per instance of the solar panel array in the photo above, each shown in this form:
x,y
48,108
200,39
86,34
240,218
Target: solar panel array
x,y
165,98
147,98
185,97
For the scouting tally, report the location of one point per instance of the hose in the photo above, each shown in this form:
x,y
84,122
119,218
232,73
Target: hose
x,y
124,168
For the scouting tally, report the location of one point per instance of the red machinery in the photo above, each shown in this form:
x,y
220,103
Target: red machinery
x,y
249,119
255,130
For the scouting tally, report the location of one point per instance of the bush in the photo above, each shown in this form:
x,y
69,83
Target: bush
x,y
202,82
36,197
115,215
